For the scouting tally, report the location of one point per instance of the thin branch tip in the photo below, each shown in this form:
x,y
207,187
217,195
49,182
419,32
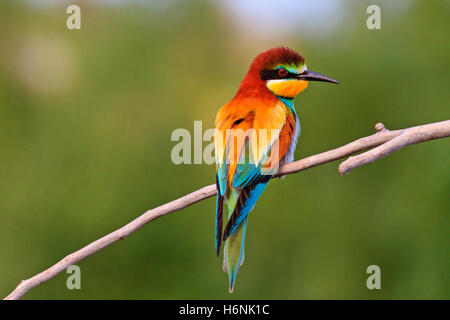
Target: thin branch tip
x,y
379,127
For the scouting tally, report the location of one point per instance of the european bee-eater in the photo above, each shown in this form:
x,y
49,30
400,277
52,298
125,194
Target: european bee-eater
x,y
263,109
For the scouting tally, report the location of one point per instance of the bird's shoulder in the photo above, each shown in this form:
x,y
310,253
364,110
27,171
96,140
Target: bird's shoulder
x,y
262,113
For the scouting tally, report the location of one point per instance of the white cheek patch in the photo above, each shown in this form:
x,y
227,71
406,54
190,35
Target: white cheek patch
x,y
271,83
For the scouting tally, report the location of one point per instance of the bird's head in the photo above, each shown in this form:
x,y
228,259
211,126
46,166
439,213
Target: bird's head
x,y
284,72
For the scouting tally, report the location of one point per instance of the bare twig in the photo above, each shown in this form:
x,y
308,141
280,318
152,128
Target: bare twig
x,y
408,136
384,141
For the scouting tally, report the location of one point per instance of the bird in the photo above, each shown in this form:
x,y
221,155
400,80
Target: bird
x,y
254,134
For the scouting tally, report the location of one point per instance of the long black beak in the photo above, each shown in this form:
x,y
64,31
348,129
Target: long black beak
x,y
314,76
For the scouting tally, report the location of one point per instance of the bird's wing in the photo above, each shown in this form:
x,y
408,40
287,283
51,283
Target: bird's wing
x,y
229,117
245,134
259,153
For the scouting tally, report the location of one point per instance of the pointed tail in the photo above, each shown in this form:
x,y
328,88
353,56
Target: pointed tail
x,y
234,253
238,203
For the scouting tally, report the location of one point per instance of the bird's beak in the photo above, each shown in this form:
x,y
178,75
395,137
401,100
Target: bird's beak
x,y
314,76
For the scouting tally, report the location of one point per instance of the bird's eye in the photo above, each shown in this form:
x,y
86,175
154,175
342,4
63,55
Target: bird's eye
x,y
282,72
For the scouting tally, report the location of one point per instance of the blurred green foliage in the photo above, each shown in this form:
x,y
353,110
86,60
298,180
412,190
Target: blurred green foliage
x,y
85,124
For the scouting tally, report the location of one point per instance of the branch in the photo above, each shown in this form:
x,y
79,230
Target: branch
x,y
384,141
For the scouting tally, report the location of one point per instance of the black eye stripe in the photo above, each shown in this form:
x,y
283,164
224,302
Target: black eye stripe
x,y
274,75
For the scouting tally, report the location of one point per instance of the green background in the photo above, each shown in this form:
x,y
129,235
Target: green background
x,y
85,124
